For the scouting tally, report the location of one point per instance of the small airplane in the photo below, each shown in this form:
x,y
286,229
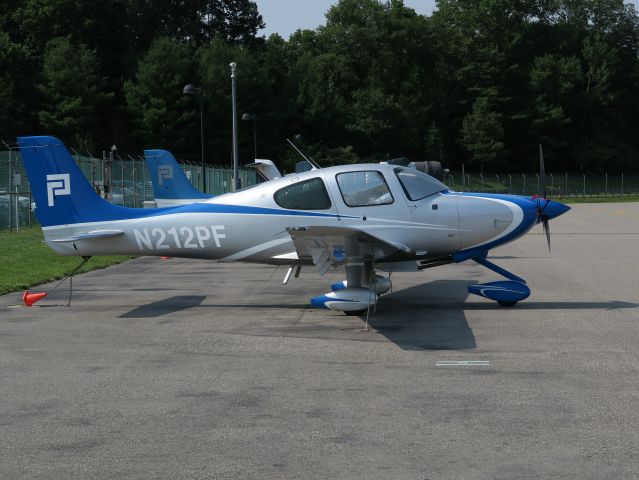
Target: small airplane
x,y
171,187
364,218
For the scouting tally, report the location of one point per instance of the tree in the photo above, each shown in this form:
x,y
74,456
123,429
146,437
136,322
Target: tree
x,y
375,77
16,114
73,93
363,77
200,21
482,133
433,143
163,117
556,82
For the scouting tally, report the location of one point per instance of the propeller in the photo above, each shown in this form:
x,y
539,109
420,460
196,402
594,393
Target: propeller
x,y
544,196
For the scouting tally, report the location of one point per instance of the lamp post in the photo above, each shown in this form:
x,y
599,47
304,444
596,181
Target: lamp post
x,y
191,89
236,180
111,156
252,116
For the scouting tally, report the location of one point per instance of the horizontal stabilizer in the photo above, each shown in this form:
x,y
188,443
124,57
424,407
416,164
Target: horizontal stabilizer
x,y
90,236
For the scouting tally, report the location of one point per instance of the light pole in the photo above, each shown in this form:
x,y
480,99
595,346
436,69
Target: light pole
x,y
236,180
111,155
191,89
252,116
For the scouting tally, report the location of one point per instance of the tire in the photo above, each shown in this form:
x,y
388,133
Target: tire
x,y
507,304
356,313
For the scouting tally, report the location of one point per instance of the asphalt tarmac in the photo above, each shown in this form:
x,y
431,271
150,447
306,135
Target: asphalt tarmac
x,y
183,369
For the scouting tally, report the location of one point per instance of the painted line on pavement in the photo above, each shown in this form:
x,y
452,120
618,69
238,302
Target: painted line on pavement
x,y
463,363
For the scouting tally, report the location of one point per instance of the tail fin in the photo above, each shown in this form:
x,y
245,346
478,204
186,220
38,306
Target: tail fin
x,y
62,193
169,181
265,169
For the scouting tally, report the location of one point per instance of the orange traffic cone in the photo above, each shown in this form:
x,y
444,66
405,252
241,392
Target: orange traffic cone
x,y
30,298
166,258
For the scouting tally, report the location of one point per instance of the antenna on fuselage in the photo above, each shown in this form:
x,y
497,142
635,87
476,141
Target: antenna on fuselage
x,y
312,162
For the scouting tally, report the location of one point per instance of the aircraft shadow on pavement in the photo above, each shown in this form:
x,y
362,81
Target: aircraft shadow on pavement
x,y
426,317
431,316
526,305
165,306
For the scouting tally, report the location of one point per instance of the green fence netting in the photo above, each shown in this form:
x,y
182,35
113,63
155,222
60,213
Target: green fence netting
x,y
130,183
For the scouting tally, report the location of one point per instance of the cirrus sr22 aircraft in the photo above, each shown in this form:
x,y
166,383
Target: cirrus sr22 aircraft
x,y
363,218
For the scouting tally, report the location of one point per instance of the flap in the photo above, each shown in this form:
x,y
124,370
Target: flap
x,y
327,246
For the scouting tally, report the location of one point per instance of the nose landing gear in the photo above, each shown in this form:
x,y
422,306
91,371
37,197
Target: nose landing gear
x,y
506,292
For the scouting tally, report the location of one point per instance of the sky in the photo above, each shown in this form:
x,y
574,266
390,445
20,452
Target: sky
x,y
286,16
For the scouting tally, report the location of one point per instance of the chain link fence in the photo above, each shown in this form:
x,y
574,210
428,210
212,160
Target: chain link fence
x,y
566,185
130,185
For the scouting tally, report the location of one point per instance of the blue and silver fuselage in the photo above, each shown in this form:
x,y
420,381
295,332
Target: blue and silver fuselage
x,y
418,217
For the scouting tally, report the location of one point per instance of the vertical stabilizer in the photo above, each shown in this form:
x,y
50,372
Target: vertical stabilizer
x,y
169,181
62,193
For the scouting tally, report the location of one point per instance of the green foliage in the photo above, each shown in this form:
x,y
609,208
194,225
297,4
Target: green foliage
x,y
162,115
482,133
28,261
14,112
233,20
200,21
433,143
339,156
481,81
73,92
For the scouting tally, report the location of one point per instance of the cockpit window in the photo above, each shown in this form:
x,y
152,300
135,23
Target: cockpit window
x,y
307,195
362,189
418,185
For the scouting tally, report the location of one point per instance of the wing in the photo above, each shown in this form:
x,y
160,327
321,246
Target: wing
x,y
327,246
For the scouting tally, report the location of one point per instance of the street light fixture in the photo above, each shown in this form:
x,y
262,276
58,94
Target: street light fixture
x,y
252,116
191,89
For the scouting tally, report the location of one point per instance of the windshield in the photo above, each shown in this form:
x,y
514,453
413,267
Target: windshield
x,y
418,185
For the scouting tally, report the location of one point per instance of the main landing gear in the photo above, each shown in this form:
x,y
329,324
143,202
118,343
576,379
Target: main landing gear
x,y
358,293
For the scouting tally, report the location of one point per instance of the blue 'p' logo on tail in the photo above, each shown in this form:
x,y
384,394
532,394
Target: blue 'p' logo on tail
x,y
165,172
58,184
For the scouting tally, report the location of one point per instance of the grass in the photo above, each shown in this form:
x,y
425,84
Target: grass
x,y
28,261
587,199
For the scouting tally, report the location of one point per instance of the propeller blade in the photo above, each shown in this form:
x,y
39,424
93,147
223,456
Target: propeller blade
x,y
542,173
546,230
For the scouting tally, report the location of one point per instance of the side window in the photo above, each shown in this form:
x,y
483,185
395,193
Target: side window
x,y
306,195
362,189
